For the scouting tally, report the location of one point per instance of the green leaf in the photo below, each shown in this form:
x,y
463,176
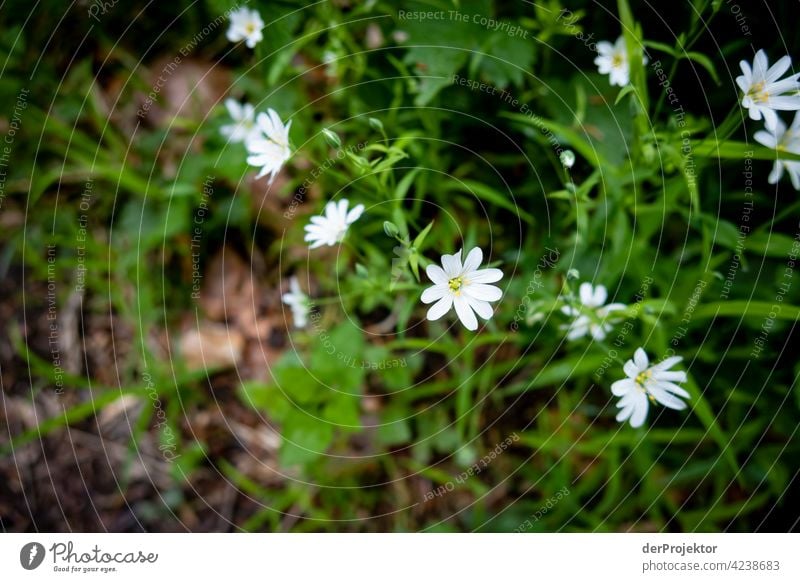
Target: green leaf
x,y
488,194
706,414
343,411
738,151
305,439
770,244
504,58
747,309
421,236
625,90
699,58
394,428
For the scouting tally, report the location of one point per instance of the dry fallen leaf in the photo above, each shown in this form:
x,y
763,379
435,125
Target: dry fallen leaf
x,y
229,293
211,346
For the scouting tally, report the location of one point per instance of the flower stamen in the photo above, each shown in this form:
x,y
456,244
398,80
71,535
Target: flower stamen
x,y
642,378
455,284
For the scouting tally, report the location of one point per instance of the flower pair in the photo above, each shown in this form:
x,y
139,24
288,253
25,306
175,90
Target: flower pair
x,y
326,229
456,284
265,136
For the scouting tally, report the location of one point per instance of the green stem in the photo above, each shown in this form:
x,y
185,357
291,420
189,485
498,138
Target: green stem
x,y
789,211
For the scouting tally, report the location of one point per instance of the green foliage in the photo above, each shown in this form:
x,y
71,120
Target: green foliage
x,y
373,404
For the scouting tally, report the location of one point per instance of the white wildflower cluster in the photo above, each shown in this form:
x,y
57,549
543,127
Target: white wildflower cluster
x,y
265,136
645,384
460,284
764,93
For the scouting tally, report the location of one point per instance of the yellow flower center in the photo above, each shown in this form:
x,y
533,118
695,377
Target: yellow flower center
x,y
617,61
757,92
250,28
455,284
641,381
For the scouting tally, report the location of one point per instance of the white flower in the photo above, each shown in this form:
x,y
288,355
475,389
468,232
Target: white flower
x,y
567,158
595,323
612,60
645,383
246,24
331,60
269,146
764,93
463,286
400,36
298,302
783,140
243,127
330,228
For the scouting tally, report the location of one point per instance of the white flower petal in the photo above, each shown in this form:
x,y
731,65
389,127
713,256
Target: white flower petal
x,y
625,413
779,68
604,47
482,308
668,376
486,276
667,363
640,410
599,332
354,214
452,265
465,313
234,109
776,173
577,332
586,293
760,64
640,359
473,260
667,399
600,295
674,388
341,209
631,369
482,292
434,293
439,308
622,387
437,274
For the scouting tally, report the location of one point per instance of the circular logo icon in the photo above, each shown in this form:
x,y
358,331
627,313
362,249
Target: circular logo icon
x,y
31,555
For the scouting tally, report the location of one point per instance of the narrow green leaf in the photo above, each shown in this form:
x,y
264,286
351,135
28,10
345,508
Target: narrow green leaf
x,y
748,309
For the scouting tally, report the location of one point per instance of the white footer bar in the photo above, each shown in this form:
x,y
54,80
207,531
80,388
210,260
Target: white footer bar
x,y
401,557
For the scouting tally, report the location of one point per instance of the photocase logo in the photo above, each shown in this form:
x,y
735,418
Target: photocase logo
x,y
31,555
